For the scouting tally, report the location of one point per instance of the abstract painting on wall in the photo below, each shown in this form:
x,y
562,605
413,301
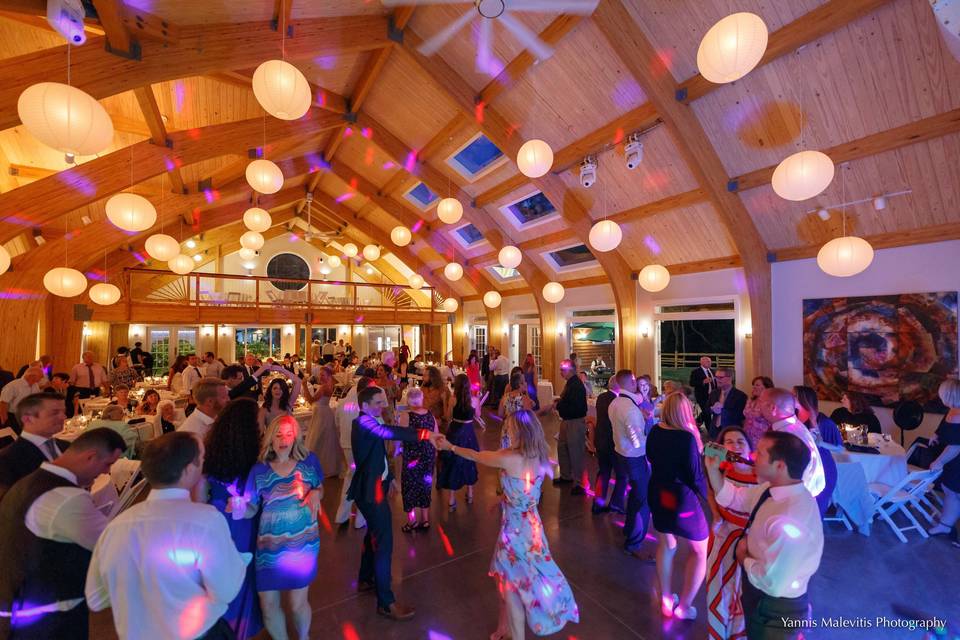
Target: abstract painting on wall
x,y
889,348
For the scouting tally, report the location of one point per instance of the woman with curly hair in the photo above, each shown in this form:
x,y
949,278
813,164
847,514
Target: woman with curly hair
x,y
754,424
279,398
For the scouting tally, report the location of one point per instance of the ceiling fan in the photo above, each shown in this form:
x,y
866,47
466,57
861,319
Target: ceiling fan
x,y
502,12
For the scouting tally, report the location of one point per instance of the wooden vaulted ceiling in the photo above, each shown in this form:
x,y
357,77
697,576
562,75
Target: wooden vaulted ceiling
x,y
868,79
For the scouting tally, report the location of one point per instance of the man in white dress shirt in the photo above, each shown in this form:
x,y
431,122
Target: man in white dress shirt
x,y
211,397
88,377
15,391
779,408
500,369
212,367
448,371
167,566
783,540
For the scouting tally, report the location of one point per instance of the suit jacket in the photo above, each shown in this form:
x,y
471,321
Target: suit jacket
x,y
485,365
603,432
21,459
700,390
731,413
370,455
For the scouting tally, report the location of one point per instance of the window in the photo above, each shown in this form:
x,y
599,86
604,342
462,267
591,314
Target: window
x,y
186,341
159,341
478,157
568,258
262,342
480,340
421,196
593,312
695,307
468,235
288,265
502,273
535,348
532,209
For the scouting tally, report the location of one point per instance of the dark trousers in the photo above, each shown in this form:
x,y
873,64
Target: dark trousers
x,y
705,414
219,631
499,386
65,625
604,471
377,549
636,472
765,614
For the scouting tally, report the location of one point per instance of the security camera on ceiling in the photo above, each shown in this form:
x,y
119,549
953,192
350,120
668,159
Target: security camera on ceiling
x,y
588,171
66,17
634,151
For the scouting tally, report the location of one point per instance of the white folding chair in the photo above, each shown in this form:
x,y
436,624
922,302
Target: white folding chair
x,y
920,491
839,516
888,501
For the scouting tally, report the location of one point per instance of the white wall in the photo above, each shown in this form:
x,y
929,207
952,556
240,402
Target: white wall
x,y
915,269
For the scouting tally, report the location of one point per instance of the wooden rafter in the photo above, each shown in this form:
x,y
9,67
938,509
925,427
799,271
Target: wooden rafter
x,y
119,39
158,130
900,238
322,97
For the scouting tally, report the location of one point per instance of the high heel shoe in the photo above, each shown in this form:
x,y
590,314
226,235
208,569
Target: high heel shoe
x,y
668,604
688,613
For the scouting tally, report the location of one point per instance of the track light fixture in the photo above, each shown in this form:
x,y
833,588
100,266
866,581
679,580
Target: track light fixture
x,y
633,150
588,172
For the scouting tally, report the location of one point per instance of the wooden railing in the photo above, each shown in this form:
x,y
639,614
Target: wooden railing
x,y
677,360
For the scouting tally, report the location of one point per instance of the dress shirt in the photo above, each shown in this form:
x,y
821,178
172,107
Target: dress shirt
x,y
80,375
197,422
813,477
501,366
448,373
66,514
213,369
167,566
41,443
191,376
347,411
327,350
626,419
14,392
785,541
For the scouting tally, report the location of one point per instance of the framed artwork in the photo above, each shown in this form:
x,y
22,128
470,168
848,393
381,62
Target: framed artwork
x,y
889,348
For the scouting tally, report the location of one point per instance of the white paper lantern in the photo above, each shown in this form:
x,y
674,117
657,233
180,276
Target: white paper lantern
x,y
247,254
325,270
802,175
350,250
453,271
181,264
492,299
264,176
162,247
371,252
450,305
510,257
65,282
281,89
251,240
104,293
732,47
553,292
605,235
449,210
401,236
334,261
534,158
654,277
844,257
416,281
131,212
257,219
4,260
65,118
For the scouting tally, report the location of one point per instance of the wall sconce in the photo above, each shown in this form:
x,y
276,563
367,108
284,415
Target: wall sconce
x,y
207,331
136,330
748,331
358,329
645,331
466,331
225,331
560,328
506,329
288,330
87,331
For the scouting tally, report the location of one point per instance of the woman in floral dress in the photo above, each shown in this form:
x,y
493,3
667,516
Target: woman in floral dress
x,y
754,424
419,458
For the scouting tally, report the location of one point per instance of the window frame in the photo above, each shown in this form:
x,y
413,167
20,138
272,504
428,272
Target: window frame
x,y
523,226
416,202
455,164
580,266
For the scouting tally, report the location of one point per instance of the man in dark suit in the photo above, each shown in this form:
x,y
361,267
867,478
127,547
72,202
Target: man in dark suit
x,y
367,490
726,403
42,416
241,384
703,380
603,443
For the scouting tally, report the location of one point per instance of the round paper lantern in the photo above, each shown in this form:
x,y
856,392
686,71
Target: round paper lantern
x,y
264,176
844,257
251,240
450,305
415,281
492,299
131,212
162,247
654,277
181,264
257,219
802,175
104,293
325,270
534,158
401,236
732,47
334,261
371,252
247,254
65,118
453,271
605,235
510,257
553,292
64,282
281,89
4,260
350,250
449,210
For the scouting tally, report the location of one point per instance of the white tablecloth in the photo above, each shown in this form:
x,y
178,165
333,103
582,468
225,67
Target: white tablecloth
x,y
855,471
72,429
545,391
889,467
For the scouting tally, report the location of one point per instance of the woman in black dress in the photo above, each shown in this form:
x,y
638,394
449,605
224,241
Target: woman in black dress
x,y
677,487
948,434
455,471
856,410
418,461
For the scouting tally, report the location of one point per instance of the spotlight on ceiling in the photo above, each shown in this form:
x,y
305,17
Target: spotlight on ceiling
x,y
633,151
880,203
588,171
824,214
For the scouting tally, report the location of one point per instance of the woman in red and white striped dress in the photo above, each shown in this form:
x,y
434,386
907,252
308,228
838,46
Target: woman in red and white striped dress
x,y
724,614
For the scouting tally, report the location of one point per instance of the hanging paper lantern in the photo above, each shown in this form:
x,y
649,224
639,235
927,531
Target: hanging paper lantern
x,y
449,210
281,89
553,292
510,257
401,236
534,158
64,282
251,240
732,47
264,176
104,293
181,264
65,118
845,257
453,271
162,247
654,277
334,261
4,260
605,235
131,212
247,254
257,219
371,252
325,270
450,305
492,299
802,175
350,250
415,281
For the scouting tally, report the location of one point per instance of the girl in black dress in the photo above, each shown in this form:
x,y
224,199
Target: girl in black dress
x,y
856,410
457,472
418,461
948,433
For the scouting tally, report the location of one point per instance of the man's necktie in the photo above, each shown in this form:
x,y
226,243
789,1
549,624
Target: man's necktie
x,y
51,449
753,514
90,376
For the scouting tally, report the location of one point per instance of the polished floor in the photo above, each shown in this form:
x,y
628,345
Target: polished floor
x,y
443,573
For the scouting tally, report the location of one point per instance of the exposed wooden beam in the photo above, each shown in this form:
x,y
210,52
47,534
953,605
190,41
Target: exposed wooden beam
x,y
322,97
126,124
119,40
282,13
158,130
27,172
901,238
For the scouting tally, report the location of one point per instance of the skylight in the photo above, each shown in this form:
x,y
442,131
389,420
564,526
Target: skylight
x,y
468,235
503,273
421,196
568,258
529,210
476,158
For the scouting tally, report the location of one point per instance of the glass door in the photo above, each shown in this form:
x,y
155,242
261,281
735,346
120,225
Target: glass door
x,y
158,344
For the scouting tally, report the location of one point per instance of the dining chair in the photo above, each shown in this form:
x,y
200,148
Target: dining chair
x,y
890,500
